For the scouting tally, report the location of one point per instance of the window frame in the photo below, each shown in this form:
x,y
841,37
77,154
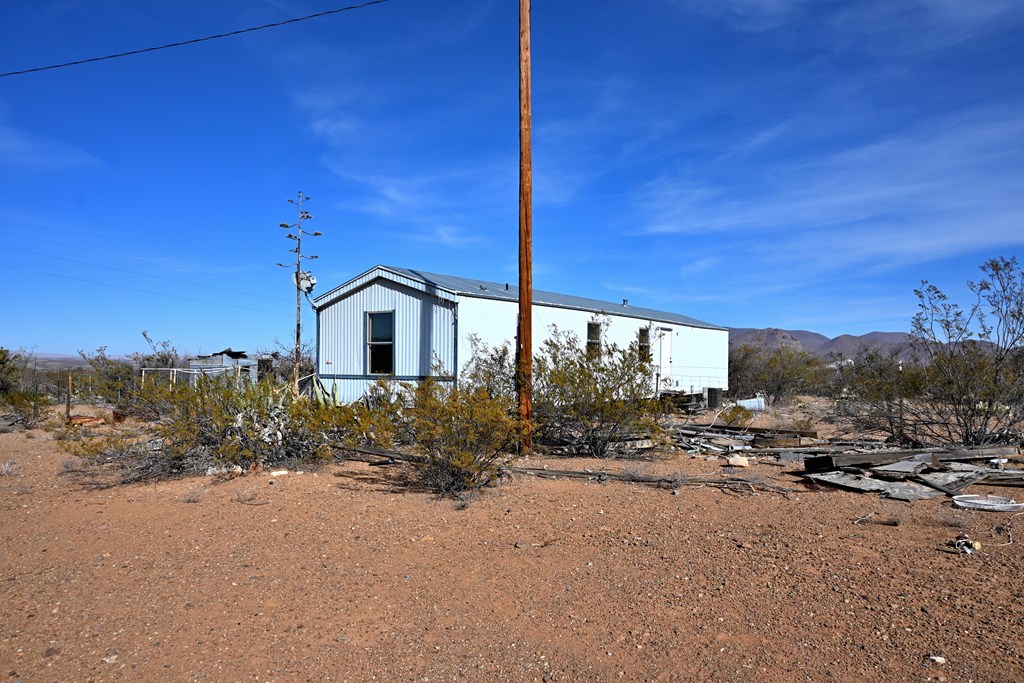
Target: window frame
x,y
371,344
593,337
643,342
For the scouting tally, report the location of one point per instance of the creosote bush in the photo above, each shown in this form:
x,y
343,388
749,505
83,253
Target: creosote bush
x,y
466,434
28,407
11,368
215,423
777,374
225,423
589,399
378,419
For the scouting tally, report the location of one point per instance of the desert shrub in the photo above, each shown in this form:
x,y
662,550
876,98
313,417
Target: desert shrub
x,y
312,430
736,416
965,381
777,374
10,468
378,419
11,367
252,424
466,435
193,496
492,370
220,423
874,392
109,380
162,354
590,398
27,406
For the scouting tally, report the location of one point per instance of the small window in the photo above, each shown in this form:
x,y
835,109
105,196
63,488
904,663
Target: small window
x,y
643,340
593,338
380,343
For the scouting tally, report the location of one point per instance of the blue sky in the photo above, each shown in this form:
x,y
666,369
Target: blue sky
x,y
753,163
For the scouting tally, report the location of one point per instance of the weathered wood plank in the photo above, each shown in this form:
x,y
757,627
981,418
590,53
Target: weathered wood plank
x,y
824,463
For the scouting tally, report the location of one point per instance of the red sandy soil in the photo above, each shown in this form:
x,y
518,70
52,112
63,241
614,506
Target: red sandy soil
x,y
347,575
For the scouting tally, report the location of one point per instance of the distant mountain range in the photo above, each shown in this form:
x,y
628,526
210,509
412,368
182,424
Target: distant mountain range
x,y
845,345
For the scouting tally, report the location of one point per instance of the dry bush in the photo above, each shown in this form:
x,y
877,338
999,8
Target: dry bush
x,y
27,407
960,381
465,433
11,368
216,423
10,468
736,416
247,496
588,398
193,496
777,374
378,419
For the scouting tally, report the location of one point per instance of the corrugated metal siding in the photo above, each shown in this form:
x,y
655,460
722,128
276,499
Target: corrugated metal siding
x,y
424,327
428,325
410,278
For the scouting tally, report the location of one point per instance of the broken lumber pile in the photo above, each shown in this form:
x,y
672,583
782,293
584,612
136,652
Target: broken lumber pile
x,y
916,475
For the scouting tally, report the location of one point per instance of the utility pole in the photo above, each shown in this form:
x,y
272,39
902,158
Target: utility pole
x,y
299,276
525,374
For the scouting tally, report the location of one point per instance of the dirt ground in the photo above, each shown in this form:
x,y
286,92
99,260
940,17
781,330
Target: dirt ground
x,y
346,575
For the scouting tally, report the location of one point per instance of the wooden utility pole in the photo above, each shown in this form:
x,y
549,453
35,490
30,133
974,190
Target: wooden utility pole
x,y
525,350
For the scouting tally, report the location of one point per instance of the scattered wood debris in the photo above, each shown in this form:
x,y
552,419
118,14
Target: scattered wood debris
x,y
916,475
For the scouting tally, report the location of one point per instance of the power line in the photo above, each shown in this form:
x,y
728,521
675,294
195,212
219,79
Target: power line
x,y
194,40
142,291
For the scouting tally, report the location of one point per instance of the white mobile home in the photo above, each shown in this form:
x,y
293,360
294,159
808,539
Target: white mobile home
x,y
396,322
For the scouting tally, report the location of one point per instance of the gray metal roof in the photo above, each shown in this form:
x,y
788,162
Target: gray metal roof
x,y
510,292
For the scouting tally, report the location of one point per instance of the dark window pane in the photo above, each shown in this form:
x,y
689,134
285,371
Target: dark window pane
x,y
382,328
593,337
381,359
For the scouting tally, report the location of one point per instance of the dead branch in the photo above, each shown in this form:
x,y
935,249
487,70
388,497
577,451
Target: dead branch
x,y
673,482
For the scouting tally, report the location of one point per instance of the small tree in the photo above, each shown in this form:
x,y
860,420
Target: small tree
x,y
972,357
589,397
11,367
112,380
744,370
778,374
161,354
878,391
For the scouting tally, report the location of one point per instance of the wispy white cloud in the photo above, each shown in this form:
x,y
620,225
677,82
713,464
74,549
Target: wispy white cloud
x,y
948,188
446,235
919,25
432,205
747,15
24,150
913,25
699,266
